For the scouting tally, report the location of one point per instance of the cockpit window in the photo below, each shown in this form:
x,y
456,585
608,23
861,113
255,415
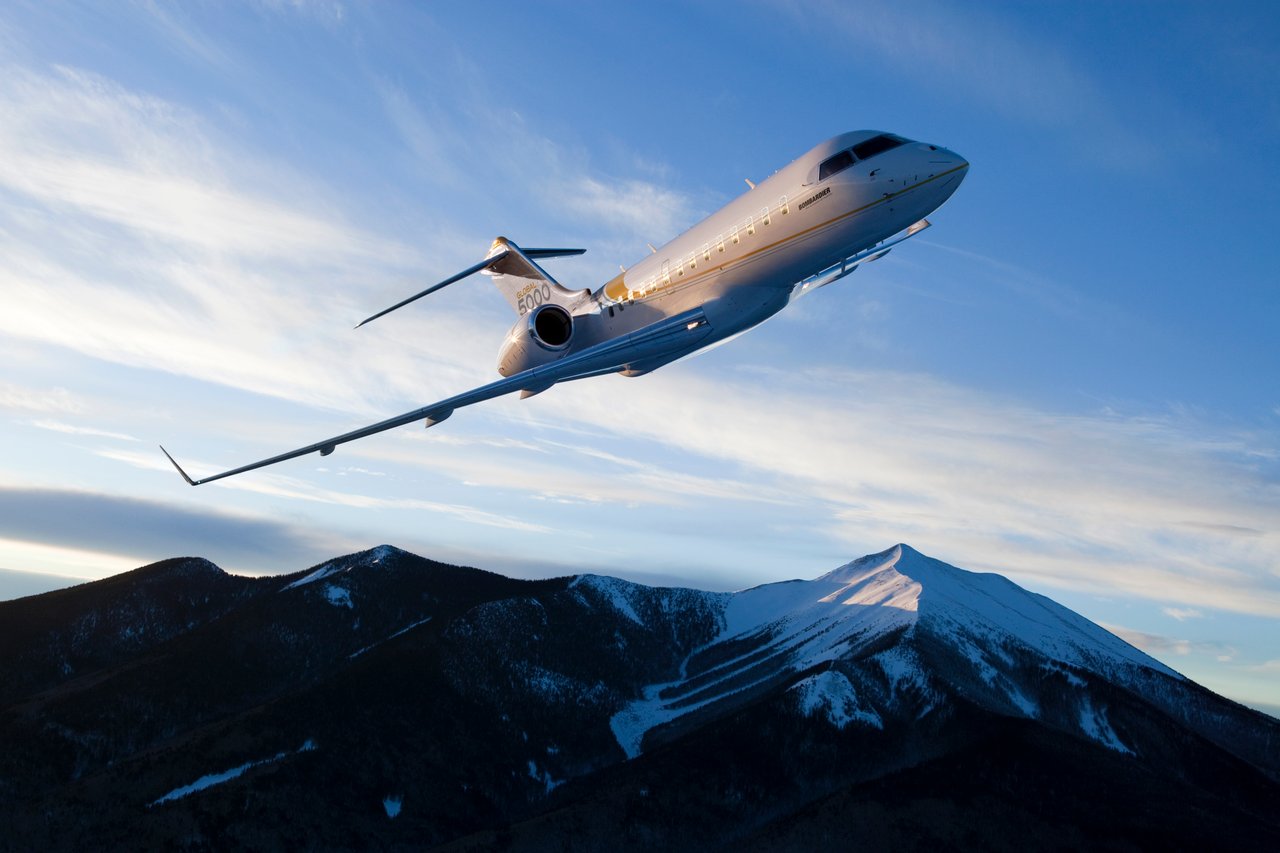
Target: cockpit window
x,y
838,163
877,145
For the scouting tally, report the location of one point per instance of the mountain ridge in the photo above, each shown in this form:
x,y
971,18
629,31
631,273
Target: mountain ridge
x,y
472,702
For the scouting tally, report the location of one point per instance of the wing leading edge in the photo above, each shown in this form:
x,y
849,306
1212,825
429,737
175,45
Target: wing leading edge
x,y
679,332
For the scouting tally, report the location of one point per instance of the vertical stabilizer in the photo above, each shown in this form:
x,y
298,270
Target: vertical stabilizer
x,y
525,284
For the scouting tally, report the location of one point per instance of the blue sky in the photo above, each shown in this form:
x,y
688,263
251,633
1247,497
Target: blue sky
x,y
1071,379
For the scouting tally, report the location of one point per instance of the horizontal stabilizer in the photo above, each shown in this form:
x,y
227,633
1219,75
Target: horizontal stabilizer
x,y
552,253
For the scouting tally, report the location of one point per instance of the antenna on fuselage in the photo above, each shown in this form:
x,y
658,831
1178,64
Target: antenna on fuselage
x,y
748,180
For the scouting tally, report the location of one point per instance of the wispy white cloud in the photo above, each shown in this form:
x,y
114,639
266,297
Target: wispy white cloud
x,y
626,205
168,253
1078,501
564,472
976,55
79,564
1031,286
108,529
293,488
78,142
133,237
326,11
52,400
1182,614
130,236
74,429
1270,666
174,29
1159,645
534,171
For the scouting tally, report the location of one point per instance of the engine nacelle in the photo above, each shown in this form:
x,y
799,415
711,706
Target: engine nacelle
x,y
540,337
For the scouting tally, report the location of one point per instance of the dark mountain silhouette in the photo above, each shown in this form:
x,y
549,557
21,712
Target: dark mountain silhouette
x,y
386,701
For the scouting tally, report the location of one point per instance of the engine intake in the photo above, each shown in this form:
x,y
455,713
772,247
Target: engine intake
x,y
551,327
539,337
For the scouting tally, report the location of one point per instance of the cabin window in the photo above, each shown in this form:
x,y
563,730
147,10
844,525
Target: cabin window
x,y
835,164
719,242
691,261
764,215
706,251
733,235
666,272
751,225
783,207
877,145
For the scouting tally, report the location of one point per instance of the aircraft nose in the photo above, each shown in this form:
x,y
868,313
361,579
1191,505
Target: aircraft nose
x,y
945,169
944,161
946,158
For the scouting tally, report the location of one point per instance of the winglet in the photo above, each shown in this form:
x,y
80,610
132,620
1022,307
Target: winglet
x,y
190,482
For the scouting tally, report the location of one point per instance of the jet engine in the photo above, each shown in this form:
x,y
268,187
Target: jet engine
x,y
540,337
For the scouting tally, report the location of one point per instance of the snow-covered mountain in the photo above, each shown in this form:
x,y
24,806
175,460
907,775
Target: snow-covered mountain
x,y
384,700
874,635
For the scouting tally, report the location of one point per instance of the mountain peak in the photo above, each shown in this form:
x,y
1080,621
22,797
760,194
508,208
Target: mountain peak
x,y
968,607
896,576
897,606
178,567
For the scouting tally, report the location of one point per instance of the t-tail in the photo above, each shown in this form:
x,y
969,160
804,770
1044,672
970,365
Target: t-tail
x,y
525,284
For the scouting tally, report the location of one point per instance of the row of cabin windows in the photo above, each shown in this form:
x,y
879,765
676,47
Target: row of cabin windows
x,y
734,237
862,151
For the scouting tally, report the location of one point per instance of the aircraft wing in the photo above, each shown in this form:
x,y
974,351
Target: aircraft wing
x,y
673,333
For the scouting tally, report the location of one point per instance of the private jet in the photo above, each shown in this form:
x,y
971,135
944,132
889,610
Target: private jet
x,y
844,203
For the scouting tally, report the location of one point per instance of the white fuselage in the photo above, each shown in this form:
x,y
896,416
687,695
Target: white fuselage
x,y
741,263
823,213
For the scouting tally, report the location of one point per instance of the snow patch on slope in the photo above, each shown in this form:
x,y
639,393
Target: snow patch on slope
x,y
406,629
1094,723
616,593
212,779
778,629
369,558
543,777
319,574
831,694
908,683
391,805
338,596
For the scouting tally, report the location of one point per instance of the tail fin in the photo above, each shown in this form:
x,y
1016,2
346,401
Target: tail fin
x,y
525,284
